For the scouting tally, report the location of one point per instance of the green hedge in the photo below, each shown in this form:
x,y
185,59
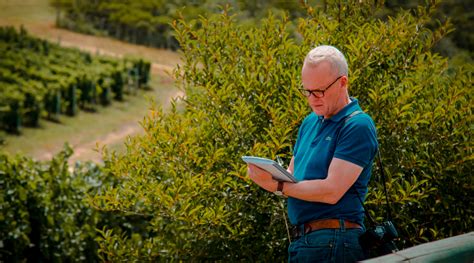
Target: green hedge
x,y
44,216
241,98
45,212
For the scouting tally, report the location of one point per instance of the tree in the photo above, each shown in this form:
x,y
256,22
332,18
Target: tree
x,y
60,5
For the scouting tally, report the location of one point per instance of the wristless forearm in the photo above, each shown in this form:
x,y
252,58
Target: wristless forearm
x,y
311,190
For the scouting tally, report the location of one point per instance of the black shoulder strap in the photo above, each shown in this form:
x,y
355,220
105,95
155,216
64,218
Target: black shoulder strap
x,y
384,179
371,220
354,113
382,172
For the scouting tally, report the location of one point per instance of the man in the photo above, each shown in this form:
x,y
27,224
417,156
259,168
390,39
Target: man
x,y
332,161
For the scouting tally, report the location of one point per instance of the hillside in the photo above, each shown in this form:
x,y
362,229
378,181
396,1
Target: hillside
x,y
118,122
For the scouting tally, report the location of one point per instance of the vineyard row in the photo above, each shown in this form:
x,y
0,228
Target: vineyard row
x,y
40,79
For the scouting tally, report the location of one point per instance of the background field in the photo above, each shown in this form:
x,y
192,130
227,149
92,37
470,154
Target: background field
x,y
114,123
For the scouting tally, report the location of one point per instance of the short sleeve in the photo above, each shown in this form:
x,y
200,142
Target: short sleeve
x,y
357,141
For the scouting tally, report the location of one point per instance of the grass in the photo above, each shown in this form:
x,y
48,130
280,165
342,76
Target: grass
x,y
13,12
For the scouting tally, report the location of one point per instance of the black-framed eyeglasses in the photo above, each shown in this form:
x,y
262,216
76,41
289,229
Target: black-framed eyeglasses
x,y
318,93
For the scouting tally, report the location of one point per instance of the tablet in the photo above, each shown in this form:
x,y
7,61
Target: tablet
x,y
279,173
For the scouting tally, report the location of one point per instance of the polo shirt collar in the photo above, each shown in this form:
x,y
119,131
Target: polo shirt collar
x,y
347,110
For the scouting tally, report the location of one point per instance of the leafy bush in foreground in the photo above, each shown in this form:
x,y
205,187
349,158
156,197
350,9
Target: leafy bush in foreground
x,y
43,212
45,215
186,175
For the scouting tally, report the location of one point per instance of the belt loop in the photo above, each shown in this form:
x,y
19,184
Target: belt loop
x,y
342,226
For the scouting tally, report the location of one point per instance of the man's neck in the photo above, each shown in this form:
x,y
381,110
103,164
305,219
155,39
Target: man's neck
x,y
343,102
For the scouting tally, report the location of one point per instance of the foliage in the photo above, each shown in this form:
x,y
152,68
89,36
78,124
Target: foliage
x,y
40,79
459,13
149,22
43,212
181,191
186,175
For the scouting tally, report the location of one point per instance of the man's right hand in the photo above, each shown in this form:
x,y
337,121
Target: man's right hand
x,y
263,178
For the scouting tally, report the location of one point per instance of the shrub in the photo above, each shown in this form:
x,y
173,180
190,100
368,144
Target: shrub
x,y
186,180
45,215
43,212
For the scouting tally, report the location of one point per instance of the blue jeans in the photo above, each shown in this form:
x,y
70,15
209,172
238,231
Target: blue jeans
x,y
327,245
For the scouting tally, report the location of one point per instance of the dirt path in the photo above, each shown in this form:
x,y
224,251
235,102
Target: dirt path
x,y
163,62
87,151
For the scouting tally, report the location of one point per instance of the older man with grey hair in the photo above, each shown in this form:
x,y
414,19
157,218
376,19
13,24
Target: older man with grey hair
x,y
332,160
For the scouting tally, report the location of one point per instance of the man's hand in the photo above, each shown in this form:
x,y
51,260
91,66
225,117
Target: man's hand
x,y
263,178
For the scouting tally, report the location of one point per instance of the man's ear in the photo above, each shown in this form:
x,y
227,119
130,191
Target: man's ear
x,y
344,81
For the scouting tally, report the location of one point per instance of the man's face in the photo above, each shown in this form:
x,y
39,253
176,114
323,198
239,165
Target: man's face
x,y
320,77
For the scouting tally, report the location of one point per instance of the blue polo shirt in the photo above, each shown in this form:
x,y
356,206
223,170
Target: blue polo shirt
x,y
319,141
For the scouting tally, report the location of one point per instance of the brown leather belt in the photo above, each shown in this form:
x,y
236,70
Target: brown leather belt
x,y
323,224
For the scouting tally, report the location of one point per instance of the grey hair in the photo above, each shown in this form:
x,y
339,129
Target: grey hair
x,y
329,54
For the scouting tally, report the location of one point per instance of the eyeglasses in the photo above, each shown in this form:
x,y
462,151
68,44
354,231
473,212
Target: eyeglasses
x,y
318,93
